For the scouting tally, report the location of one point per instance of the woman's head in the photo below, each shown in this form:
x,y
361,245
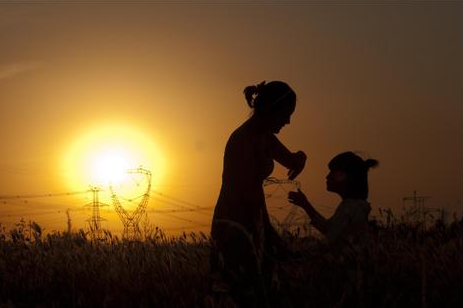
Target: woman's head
x,y
275,101
349,175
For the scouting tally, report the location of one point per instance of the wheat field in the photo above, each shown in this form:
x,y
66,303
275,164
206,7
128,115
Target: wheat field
x,y
400,266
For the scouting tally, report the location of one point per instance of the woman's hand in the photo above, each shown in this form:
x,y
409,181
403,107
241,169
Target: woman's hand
x,y
298,163
298,198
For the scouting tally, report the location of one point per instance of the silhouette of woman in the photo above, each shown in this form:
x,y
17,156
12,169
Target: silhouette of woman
x,y
241,232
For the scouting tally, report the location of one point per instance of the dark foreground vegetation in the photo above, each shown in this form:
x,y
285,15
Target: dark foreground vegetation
x,y
401,266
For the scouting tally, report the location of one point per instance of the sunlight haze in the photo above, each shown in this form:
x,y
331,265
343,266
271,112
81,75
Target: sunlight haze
x,y
89,90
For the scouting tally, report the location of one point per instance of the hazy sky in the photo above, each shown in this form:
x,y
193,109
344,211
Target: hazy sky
x,y
383,79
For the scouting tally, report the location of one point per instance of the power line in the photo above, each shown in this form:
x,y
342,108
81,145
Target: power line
x,y
185,203
179,211
28,208
199,209
185,219
43,195
132,219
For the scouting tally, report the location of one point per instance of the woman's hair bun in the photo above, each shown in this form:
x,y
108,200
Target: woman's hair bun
x,y
371,163
251,91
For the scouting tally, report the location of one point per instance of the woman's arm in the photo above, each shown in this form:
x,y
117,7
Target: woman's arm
x,y
295,162
317,220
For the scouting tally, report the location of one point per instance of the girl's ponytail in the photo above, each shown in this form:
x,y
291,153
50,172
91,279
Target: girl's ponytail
x,y
371,163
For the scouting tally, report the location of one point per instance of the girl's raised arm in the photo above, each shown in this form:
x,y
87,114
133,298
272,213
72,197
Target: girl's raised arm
x,y
317,220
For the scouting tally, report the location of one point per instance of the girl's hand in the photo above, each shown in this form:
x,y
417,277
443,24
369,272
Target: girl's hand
x,y
298,198
298,164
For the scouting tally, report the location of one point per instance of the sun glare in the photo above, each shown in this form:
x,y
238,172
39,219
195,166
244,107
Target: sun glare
x,y
102,156
110,168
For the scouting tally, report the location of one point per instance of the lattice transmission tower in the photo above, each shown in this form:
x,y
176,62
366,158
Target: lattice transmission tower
x,y
94,221
416,213
131,220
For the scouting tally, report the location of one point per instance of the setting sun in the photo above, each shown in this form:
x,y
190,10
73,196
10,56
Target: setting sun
x,y
102,156
110,167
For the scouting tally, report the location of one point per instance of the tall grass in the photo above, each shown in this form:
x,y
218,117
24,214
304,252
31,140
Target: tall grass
x,y
400,266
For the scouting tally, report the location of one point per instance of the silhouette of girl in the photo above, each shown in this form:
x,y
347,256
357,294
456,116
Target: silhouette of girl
x,y
348,177
241,232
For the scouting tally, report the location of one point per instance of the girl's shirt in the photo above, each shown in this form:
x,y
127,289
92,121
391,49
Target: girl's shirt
x,y
347,225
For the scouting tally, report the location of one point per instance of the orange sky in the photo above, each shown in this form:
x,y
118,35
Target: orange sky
x,y
383,79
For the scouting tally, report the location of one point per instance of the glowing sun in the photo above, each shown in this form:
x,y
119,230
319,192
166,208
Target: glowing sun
x,y
102,156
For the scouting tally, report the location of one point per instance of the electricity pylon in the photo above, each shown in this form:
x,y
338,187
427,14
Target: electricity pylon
x,y
95,221
131,220
417,212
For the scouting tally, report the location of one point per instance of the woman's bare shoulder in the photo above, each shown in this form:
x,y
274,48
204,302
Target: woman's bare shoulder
x,y
241,135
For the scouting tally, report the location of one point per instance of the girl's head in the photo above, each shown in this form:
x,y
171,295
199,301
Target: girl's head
x,y
274,101
348,175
